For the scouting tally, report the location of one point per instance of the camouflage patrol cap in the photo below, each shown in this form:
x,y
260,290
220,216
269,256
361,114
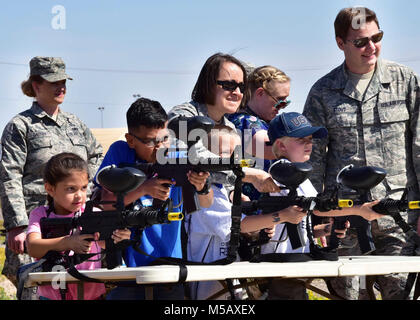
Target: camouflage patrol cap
x,y
49,68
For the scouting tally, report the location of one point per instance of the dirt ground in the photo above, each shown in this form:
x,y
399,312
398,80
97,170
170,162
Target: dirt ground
x,y
8,287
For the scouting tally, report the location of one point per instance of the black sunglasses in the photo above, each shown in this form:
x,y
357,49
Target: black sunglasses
x,y
360,43
231,85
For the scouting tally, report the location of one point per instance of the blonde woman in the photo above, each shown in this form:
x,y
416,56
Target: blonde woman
x,y
269,89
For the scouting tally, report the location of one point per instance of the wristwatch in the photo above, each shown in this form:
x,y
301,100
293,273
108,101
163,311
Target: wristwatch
x,y
206,188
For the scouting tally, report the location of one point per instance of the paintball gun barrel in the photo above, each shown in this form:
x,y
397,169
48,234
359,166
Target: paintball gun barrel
x,y
361,180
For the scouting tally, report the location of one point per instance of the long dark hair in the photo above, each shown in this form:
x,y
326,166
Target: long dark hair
x,y
203,91
59,168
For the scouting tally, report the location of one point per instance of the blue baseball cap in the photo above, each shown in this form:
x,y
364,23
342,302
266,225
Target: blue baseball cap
x,y
293,124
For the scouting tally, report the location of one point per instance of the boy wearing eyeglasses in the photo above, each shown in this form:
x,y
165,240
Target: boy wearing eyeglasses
x,y
370,107
147,132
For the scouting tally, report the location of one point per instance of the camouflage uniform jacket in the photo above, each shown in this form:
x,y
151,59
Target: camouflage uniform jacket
x,y
378,129
29,140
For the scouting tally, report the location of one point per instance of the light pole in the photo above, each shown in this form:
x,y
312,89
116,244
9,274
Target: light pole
x,y
101,109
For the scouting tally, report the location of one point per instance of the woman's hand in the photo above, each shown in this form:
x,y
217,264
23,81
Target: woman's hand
x,y
261,180
16,239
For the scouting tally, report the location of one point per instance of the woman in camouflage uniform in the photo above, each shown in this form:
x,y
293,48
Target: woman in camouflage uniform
x,y
29,140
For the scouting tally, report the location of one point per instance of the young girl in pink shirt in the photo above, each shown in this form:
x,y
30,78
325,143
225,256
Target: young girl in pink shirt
x,y
66,182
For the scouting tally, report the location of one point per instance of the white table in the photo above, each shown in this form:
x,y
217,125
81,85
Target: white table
x,y
345,266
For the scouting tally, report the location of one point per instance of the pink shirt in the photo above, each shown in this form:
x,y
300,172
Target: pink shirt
x,y
92,290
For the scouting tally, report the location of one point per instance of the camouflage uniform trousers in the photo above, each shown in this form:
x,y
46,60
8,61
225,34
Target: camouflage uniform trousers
x,y
389,242
14,261
11,265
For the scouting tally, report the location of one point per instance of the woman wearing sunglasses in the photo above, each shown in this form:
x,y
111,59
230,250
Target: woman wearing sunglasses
x,y
220,90
268,89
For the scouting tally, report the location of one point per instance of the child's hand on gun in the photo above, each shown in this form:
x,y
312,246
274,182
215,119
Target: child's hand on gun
x,y
270,231
120,235
157,188
292,214
324,230
366,211
198,179
80,243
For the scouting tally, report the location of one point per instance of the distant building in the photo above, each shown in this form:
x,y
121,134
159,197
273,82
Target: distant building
x,y
107,136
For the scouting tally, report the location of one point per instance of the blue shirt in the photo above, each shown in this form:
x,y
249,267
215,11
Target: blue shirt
x,y
159,240
247,120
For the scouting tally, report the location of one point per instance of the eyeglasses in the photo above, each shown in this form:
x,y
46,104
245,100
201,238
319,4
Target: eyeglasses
x,y
231,85
152,142
360,43
280,103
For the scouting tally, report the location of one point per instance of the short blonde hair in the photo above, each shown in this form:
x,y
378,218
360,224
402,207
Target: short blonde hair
x,y
275,149
261,77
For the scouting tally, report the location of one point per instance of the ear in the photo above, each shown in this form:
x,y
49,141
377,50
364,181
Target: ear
x,y
35,87
281,147
49,188
259,92
340,43
130,140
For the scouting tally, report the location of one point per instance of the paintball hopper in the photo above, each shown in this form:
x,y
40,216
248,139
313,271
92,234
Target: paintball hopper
x,y
120,180
182,126
290,174
362,178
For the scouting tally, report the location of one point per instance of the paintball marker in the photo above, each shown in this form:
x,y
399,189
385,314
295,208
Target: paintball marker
x,y
291,175
177,167
120,181
362,180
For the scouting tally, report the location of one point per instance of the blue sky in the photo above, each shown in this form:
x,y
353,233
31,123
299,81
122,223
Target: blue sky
x,y
114,49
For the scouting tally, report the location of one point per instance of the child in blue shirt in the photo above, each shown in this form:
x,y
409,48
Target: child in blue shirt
x,y
147,132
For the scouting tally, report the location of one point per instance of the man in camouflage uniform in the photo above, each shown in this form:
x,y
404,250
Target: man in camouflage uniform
x,y
29,140
370,108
